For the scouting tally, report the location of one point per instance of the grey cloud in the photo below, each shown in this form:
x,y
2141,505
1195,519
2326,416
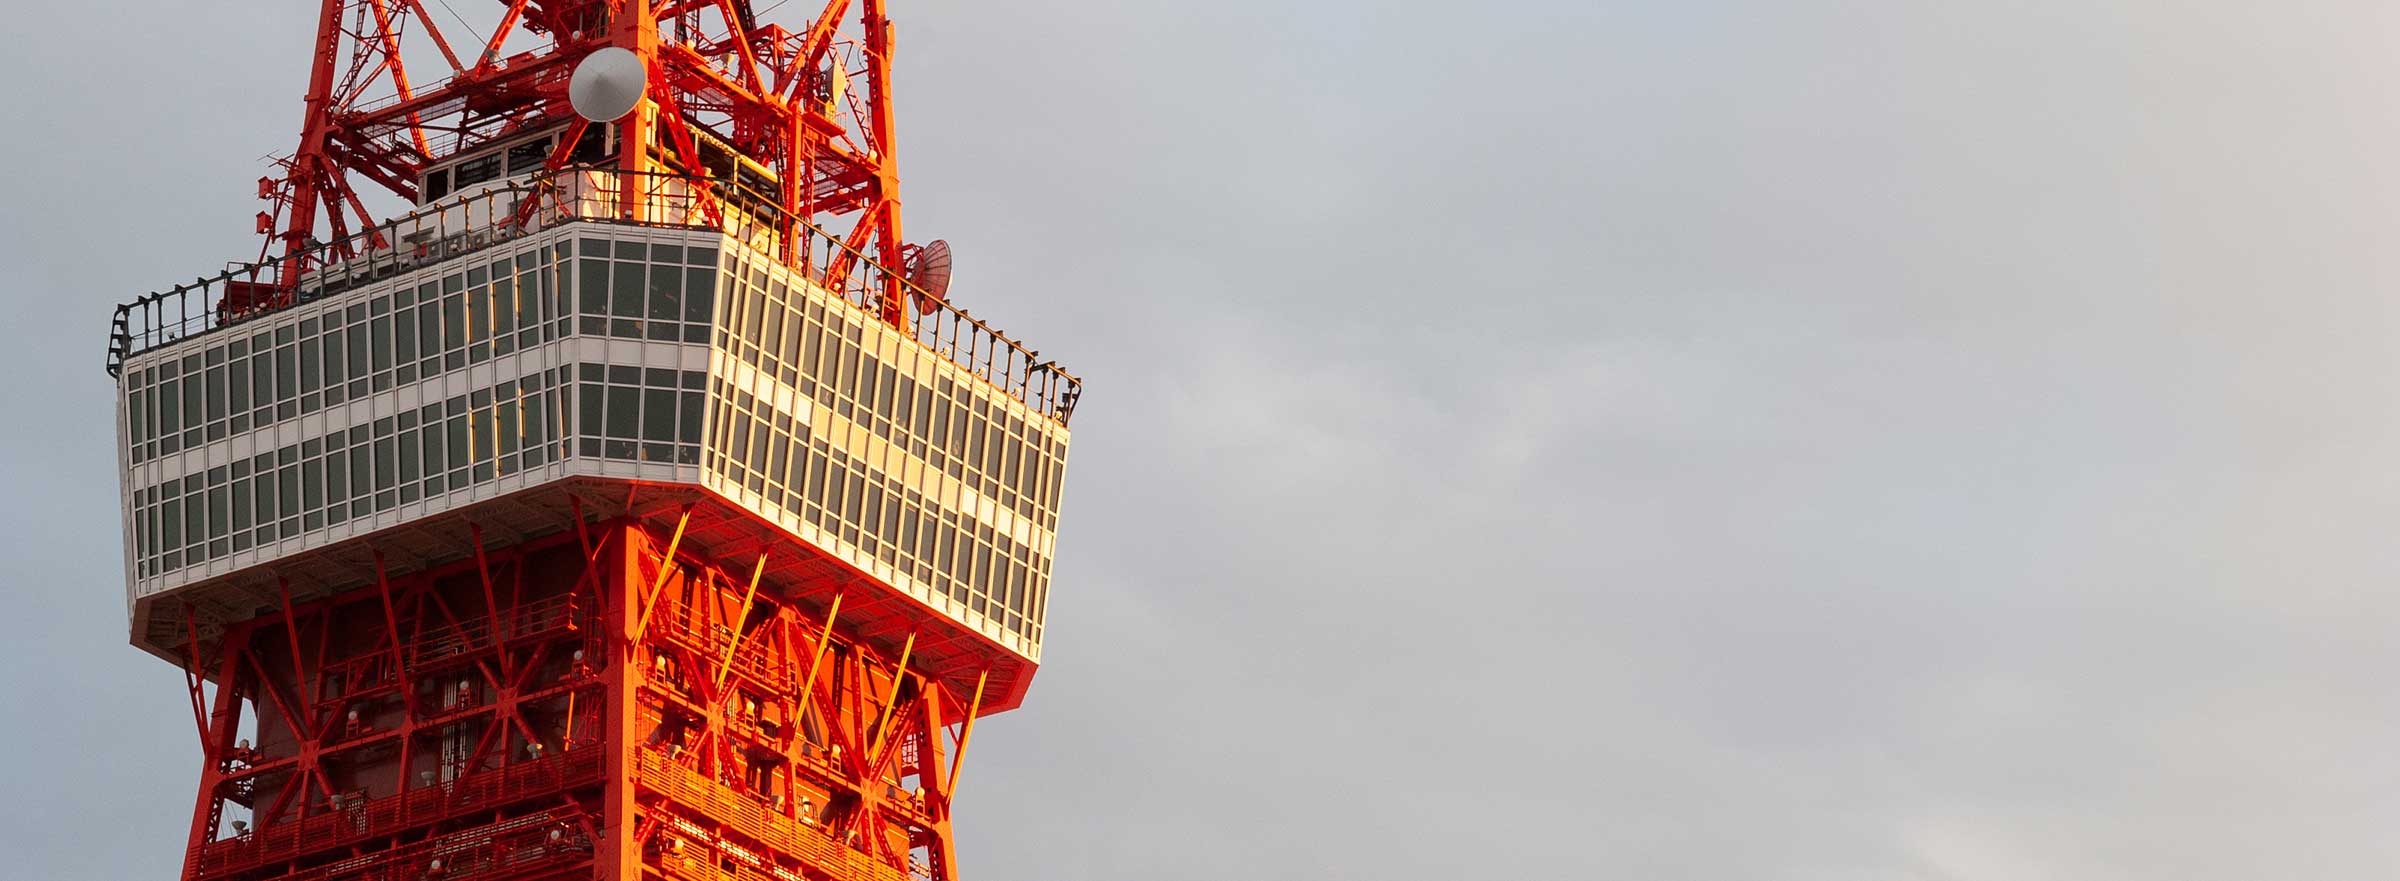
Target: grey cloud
x,y
1708,440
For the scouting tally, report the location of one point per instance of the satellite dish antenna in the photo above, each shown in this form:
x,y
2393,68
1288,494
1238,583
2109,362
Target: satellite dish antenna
x,y
607,84
929,270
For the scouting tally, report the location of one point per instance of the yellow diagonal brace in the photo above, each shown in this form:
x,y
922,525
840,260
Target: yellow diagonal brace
x,y
958,756
742,614
666,566
808,684
891,695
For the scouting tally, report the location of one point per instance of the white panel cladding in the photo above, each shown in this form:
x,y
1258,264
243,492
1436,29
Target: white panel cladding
x,y
883,452
395,400
592,350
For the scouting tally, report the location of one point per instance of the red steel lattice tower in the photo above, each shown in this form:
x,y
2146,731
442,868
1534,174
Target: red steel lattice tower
x,y
631,504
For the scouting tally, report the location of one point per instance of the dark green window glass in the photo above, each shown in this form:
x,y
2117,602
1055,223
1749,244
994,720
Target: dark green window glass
x,y
690,413
312,485
588,409
624,412
666,293
699,294
194,406
625,291
591,286
170,408
658,414
461,443
336,361
358,350
380,343
454,321
262,378
311,367
237,386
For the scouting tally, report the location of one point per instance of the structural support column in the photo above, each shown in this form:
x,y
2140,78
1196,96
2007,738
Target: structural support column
x,y
224,719
617,856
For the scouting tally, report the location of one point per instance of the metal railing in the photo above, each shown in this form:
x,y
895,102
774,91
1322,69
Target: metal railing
x,y
758,822
365,819
504,212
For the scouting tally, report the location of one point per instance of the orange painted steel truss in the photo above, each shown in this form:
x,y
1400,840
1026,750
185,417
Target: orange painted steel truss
x,y
811,108
595,703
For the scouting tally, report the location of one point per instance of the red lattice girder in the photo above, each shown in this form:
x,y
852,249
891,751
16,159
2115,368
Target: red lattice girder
x,y
814,108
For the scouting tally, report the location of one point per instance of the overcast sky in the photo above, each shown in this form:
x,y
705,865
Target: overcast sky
x,y
1672,440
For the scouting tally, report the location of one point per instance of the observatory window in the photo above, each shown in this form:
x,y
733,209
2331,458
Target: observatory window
x,y
528,157
337,474
237,386
310,377
592,288
358,355
137,411
479,319
477,170
194,415
458,440
262,377
362,473
625,298
624,412
437,184
380,349
454,314
666,292
404,340
335,364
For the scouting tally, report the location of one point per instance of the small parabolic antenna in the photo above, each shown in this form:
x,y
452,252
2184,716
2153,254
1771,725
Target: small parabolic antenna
x,y
606,85
929,270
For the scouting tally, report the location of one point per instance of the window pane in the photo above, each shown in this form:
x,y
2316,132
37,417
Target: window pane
x,y
312,485
461,446
404,339
170,407
386,457
241,504
429,326
587,409
658,415
335,362
237,386
337,476
216,393
666,292
436,455
699,294
691,417
625,291
409,470
454,321
624,411
262,378
358,350
380,343
506,425
287,491
312,364
362,471
592,287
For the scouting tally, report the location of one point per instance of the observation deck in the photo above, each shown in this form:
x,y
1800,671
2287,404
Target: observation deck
x,y
506,362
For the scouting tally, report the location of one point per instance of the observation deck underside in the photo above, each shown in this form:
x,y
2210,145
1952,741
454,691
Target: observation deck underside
x,y
711,527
